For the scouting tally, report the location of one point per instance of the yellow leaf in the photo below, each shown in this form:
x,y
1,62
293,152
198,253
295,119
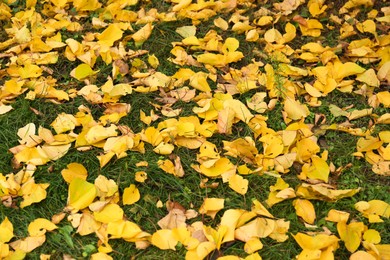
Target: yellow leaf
x,y
372,236
211,206
317,242
86,5
186,31
319,170
253,245
141,176
295,110
238,184
309,191
273,35
342,70
5,109
254,256
28,244
110,213
217,60
199,81
64,122
369,77
98,133
39,227
230,219
368,26
359,255
82,72
111,34
101,256
221,166
81,193
142,34
33,194
337,216
164,148
153,61
305,210
351,234
384,98
123,229
130,195
29,71
259,227
240,110
6,231
164,239
221,23
272,145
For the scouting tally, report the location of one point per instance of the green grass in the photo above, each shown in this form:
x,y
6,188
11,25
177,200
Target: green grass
x,y
186,191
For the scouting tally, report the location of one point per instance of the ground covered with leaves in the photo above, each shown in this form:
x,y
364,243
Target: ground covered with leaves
x,y
221,129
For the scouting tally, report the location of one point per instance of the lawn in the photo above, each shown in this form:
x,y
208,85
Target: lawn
x,y
179,129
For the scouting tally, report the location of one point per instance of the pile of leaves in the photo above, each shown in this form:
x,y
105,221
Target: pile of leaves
x,y
206,98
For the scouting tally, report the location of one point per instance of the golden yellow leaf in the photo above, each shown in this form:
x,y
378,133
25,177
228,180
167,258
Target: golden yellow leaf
x,y
220,166
110,213
86,5
164,148
272,145
164,239
130,195
82,72
141,176
259,227
230,219
342,70
358,255
369,77
295,110
351,234
211,206
253,245
123,229
101,256
6,231
238,184
98,133
254,256
368,26
111,34
33,193
317,191
316,242
305,210
39,227
142,34
201,251
319,169
221,23
372,236
81,194
337,216
384,98
28,244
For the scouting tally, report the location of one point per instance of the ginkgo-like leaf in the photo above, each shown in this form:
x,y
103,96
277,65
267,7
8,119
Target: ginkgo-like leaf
x,y
305,210
164,239
6,231
131,195
81,194
39,227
